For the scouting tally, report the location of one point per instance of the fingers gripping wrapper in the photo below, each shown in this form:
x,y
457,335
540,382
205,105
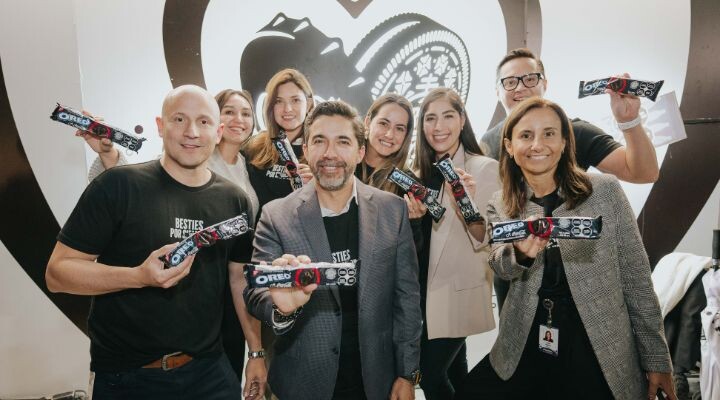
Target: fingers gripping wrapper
x,y
548,227
77,120
288,158
467,206
620,85
207,237
322,274
420,192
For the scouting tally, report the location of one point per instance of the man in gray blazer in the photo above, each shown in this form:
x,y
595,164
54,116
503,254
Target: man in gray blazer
x,y
361,342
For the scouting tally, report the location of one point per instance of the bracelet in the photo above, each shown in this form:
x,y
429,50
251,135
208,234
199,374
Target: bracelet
x,y
281,321
630,124
256,354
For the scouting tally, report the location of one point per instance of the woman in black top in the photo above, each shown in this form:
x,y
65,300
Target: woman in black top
x,y
595,297
289,99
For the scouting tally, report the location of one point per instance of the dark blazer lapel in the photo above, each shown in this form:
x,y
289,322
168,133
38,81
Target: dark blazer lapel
x,y
310,219
368,220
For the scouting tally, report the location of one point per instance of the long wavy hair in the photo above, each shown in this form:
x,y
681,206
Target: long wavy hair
x,y
222,98
378,178
572,181
260,150
424,153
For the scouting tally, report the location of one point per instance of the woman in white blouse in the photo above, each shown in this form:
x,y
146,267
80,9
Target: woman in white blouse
x,y
238,116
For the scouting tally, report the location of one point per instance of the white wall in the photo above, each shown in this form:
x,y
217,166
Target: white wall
x,y
108,58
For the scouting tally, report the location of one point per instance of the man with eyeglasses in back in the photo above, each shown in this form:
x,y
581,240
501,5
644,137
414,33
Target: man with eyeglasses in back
x,y
521,75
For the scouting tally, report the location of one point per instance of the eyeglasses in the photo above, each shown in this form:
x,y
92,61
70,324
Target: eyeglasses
x,y
529,80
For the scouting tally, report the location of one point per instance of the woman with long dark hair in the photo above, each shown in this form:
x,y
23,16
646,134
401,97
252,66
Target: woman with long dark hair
x,y
388,128
595,297
455,279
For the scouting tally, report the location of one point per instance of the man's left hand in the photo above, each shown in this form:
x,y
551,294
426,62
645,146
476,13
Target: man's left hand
x,y
402,390
255,379
625,107
660,380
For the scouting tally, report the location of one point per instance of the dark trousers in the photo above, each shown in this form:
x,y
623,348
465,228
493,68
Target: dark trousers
x,y
573,374
233,336
443,363
202,378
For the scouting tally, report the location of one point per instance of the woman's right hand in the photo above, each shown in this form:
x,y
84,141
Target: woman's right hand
x,y
416,209
531,246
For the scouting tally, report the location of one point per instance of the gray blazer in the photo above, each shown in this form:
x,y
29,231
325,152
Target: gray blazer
x,y
305,363
610,282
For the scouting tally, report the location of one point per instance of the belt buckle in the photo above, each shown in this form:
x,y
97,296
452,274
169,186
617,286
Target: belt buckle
x,y
163,363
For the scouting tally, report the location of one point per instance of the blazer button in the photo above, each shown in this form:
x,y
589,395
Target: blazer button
x,y
335,350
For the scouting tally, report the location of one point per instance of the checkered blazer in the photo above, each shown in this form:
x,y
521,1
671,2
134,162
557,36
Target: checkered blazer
x,y
610,283
305,363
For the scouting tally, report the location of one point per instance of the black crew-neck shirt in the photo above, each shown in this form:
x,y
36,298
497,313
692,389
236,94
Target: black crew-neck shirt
x,y
554,281
273,182
343,234
125,214
434,183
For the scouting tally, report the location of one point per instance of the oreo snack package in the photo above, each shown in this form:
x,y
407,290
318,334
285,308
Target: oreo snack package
x,y
288,159
207,237
466,204
633,87
546,227
420,192
76,119
321,273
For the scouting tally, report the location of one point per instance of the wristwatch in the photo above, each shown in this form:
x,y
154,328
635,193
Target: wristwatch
x,y
256,354
414,377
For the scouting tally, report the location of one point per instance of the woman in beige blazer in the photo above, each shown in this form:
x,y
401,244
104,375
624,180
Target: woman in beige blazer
x,y
455,280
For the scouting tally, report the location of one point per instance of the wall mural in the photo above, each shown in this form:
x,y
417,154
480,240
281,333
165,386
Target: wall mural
x,y
408,53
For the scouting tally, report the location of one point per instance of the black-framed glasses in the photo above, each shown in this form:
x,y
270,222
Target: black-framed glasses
x,y
529,80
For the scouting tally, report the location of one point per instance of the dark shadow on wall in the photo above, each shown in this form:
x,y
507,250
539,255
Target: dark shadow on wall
x,y
29,227
690,171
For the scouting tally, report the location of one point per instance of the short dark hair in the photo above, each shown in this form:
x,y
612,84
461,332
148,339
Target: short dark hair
x,y
521,52
336,107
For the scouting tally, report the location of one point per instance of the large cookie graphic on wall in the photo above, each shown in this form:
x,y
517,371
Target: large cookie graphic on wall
x,y
409,54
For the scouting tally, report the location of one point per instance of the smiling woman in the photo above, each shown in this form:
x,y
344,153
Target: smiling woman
x,y
388,127
583,291
454,274
289,99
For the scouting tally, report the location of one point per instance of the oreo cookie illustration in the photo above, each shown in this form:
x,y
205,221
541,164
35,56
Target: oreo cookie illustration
x,y
409,54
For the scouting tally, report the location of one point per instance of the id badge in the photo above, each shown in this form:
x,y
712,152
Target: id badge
x,y
548,340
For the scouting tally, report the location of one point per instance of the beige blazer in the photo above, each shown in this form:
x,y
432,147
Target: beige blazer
x,y
459,289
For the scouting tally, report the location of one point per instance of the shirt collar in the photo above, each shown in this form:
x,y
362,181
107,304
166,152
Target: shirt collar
x,y
326,212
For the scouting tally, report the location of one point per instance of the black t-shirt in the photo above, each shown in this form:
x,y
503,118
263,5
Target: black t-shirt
x,y
343,234
124,215
359,171
272,183
435,184
554,281
592,144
